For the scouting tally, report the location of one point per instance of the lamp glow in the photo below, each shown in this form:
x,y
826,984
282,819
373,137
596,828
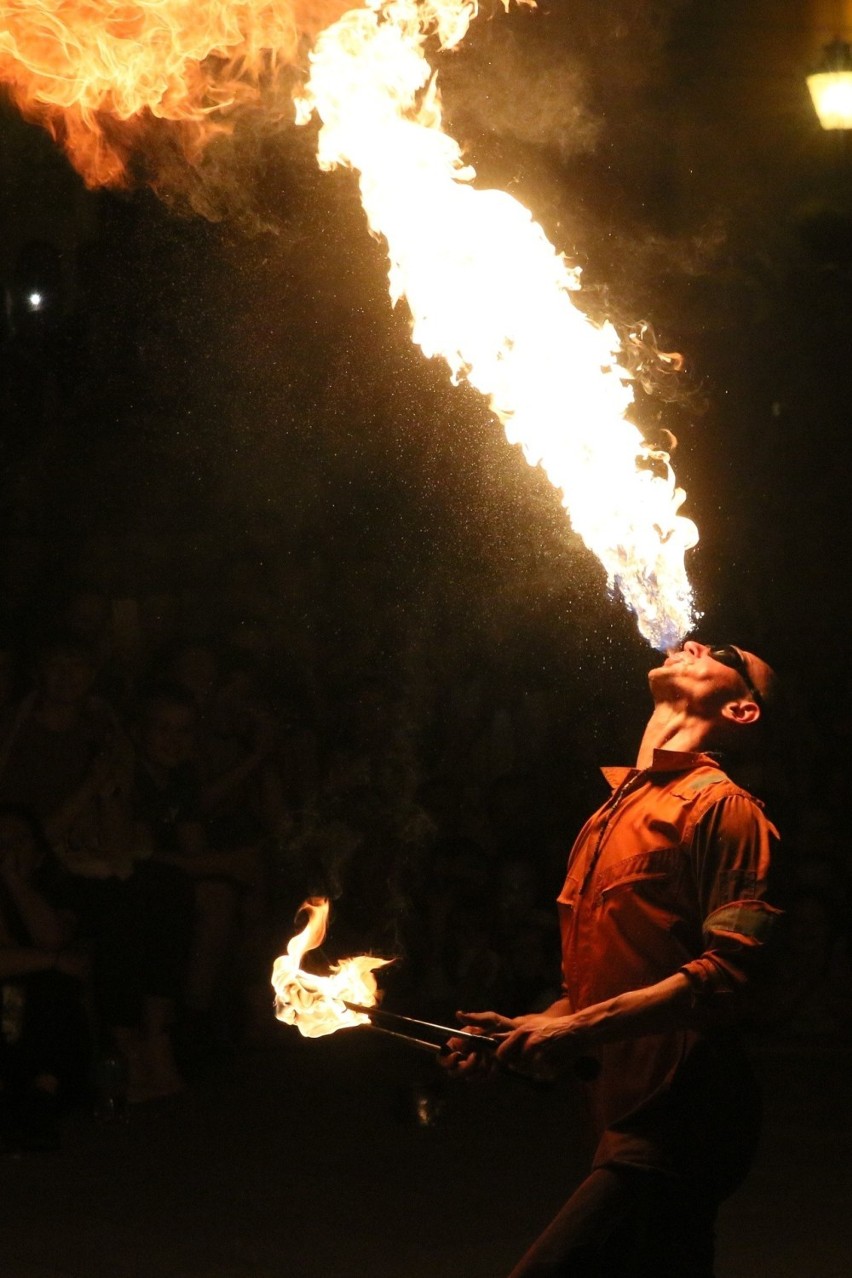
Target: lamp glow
x,y
830,86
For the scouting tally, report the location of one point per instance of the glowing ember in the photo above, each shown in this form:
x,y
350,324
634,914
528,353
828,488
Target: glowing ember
x,y
490,294
315,1004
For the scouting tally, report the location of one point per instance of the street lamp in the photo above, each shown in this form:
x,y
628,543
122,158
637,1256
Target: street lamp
x,y
830,86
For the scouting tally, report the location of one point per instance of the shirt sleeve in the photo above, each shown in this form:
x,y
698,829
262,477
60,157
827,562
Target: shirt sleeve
x,y
732,849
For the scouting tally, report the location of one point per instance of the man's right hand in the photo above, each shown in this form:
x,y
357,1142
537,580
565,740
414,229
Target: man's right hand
x,y
461,1057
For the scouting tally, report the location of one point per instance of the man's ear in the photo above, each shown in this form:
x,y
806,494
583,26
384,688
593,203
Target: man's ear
x,y
742,712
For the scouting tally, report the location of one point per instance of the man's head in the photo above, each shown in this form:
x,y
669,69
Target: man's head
x,y
66,670
727,690
167,723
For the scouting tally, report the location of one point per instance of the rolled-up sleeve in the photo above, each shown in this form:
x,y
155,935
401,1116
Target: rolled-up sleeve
x,y
732,849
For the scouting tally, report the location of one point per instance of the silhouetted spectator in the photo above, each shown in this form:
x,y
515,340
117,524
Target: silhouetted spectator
x,y
176,859
241,795
44,1038
64,755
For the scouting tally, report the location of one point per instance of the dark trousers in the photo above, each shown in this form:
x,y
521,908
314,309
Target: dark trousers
x,y
140,929
627,1223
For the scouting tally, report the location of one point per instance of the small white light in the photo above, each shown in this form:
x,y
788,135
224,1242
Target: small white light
x,y
35,300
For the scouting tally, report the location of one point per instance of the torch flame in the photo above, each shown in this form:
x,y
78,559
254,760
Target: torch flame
x,y
315,1004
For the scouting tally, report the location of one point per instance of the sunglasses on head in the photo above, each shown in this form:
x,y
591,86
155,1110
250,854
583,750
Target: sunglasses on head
x,y
731,657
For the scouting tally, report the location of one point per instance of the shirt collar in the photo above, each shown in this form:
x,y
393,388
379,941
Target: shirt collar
x,y
664,761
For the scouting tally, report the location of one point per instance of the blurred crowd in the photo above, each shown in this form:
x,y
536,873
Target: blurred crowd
x,y
181,767
160,827
161,824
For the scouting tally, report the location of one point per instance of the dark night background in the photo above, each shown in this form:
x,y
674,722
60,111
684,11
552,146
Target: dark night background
x,y
263,396
223,429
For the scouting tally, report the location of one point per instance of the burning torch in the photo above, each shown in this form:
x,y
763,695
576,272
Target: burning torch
x,y
346,997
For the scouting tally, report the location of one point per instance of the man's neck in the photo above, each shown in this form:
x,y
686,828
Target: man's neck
x,y
671,727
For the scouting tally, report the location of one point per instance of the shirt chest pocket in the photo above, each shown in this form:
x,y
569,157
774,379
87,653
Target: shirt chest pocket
x,y
650,876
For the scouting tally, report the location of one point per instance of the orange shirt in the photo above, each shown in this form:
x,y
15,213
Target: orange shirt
x,y
668,875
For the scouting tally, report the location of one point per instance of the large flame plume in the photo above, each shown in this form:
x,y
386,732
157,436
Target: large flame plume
x,y
492,297
316,1005
486,289
95,71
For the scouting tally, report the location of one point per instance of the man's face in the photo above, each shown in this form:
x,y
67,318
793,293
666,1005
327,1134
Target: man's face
x,y
65,676
168,734
693,678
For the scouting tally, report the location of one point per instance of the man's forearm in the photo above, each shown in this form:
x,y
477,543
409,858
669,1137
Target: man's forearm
x,y
558,1035
654,1009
